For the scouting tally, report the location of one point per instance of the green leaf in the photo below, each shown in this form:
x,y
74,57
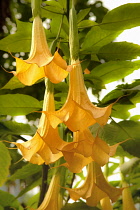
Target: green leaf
x,y
126,167
25,171
131,128
63,3
96,38
112,168
5,161
122,110
33,201
115,70
123,17
136,98
54,6
92,81
135,118
20,41
86,24
82,14
18,104
117,132
31,186
8,200
108,133
113,95
119,51
1,207
15,128
13,83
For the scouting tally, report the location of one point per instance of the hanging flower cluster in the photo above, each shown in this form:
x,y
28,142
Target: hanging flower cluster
x,y
78,113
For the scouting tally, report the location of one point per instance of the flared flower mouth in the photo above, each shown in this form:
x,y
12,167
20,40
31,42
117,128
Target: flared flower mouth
x,y
37,152
95,187
78,112
78,93
84,149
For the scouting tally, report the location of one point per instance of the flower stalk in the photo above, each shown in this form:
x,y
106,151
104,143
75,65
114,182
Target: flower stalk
x,y
73,34
36,7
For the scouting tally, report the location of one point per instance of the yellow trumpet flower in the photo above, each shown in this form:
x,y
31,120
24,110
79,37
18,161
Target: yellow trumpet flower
x,y
86,148
78,112
40,62
36,150
128,203
95,187
51,200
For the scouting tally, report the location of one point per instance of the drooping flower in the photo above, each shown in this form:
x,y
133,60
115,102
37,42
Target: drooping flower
x,y
40,62
86,148
78,112
95,187
75,162
36,150
128,203
51,200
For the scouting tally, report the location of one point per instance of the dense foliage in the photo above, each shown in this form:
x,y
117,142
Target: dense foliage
x,y
103,61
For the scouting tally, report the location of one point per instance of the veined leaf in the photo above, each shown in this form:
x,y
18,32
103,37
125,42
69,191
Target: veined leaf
x,y
54,7
33,201
5,161
18,104
135,118
113,95
96,38
136,98
124,89
115,70
124,17
62,3
15,128
9,201
127,129
86,24
20,41
122,110
119,51
13,83
25,171
54,3
82,14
